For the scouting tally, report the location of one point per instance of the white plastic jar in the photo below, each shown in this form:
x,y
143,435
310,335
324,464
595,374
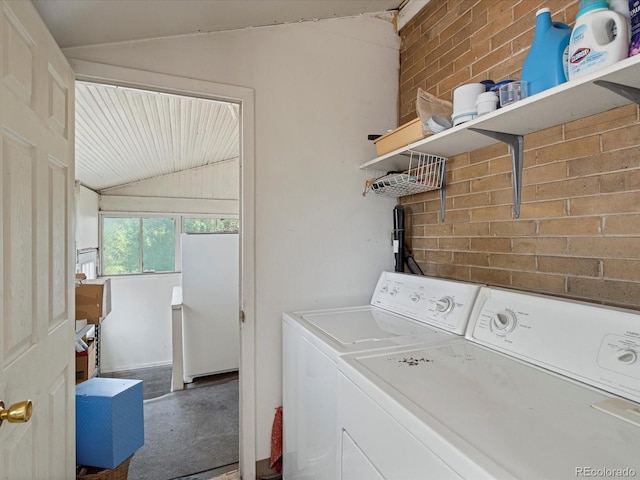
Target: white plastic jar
x,y
487,102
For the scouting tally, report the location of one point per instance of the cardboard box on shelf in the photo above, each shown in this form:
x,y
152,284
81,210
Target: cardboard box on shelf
x,y
403,135
93,300
86,363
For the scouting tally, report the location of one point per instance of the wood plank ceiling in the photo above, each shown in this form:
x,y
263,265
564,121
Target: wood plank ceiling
x,y
125,135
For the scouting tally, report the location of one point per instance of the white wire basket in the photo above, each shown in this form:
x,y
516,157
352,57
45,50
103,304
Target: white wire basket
x,y
425,173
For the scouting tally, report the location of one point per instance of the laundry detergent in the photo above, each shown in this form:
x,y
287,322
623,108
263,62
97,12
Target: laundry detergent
x,y
634,14
599,38
546,62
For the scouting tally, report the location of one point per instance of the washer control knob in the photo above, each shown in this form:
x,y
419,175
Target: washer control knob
x,y
414,297
445,305
393,292
627,356
503,322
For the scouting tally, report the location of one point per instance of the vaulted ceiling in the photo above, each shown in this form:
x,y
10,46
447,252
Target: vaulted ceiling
x,y
125,135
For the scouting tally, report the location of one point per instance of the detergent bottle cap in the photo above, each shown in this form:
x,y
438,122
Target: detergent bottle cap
x,y
543,10
587,6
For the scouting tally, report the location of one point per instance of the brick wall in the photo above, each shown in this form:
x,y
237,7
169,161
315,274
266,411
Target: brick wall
x,y
578,234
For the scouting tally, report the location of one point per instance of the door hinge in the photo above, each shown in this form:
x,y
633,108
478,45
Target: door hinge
x,y
242,316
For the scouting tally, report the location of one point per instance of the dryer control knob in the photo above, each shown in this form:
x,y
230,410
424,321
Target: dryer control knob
x,y
445,305
414,297
627,356
503,322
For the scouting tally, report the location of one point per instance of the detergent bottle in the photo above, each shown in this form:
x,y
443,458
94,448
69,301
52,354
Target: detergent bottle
x,y
634,12
599,38
546,62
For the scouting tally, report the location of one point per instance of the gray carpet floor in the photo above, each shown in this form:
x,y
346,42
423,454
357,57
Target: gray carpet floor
x,y
187,432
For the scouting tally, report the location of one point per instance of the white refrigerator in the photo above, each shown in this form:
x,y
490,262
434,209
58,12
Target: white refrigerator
x,y
210,304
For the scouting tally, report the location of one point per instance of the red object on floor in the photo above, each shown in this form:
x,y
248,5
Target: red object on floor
x,y
276,441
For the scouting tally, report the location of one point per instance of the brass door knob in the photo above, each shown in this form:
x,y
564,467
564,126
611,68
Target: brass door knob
x,y
17,413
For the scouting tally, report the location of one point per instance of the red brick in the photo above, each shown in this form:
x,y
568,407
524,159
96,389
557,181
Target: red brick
x,y
577,187
492,213
622,224
471,259
570,226
511,228
604,162
512,262
611,292
491,276
621,138
600,247
627,202
551,208
538,282
581,181
570,149
541,245
569,266
491,244
478,229
627,269
595,124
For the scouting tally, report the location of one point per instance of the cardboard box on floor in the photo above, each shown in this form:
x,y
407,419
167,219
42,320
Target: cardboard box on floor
x,y
86,363
93,300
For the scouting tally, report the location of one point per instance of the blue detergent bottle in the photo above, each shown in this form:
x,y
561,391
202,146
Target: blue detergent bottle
x,y
546,62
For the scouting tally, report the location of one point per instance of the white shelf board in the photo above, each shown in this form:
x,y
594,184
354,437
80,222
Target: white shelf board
x,y
564,103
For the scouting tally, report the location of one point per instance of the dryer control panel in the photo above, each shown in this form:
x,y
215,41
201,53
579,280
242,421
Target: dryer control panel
x,y
591,343
434,301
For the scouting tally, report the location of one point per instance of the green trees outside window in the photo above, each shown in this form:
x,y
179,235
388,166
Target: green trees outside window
x,y
138,245
134,245
210,225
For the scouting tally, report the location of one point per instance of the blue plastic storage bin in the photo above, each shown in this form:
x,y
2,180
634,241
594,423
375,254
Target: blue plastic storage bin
x,y
109,421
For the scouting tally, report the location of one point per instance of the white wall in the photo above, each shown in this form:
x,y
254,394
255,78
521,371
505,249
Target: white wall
x,y
87,218
137,332
320,88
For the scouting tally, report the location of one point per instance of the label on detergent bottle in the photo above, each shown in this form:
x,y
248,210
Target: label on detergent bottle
x,y
634,12
584,57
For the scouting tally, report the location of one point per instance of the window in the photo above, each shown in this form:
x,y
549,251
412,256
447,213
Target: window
x,y
151,244
138,245
210,225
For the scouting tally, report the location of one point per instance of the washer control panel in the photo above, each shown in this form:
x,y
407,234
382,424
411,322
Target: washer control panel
x,y
435,301
594,344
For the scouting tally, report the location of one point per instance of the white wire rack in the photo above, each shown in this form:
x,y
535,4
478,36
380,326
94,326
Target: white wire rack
x,y
425,172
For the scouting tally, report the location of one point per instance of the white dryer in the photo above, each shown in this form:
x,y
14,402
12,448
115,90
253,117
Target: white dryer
x,y
404,310
542,388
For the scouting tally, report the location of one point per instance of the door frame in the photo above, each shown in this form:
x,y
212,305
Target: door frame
x,y
128,77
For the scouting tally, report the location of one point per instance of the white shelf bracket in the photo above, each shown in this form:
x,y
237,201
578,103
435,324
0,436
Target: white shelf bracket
x,y
516,145
630,93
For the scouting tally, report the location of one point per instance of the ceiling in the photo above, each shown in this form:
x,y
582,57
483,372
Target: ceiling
x,y
125,135
88,22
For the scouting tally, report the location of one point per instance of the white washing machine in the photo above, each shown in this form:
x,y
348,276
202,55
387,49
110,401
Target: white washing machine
x,y
541,388
404,310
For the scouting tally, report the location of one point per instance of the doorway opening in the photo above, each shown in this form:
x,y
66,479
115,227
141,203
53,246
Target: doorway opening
x,y
162,165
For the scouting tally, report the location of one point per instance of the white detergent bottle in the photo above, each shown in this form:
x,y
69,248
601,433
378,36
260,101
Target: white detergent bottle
x,y
599,38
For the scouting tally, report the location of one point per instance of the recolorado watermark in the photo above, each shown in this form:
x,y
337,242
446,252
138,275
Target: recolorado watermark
x,y
593,472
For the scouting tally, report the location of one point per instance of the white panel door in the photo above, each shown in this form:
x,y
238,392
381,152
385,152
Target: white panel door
x,y
36,286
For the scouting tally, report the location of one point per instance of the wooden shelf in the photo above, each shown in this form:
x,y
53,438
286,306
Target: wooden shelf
x,y
564,103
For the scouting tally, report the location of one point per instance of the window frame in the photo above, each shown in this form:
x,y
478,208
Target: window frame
x,y
178,219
